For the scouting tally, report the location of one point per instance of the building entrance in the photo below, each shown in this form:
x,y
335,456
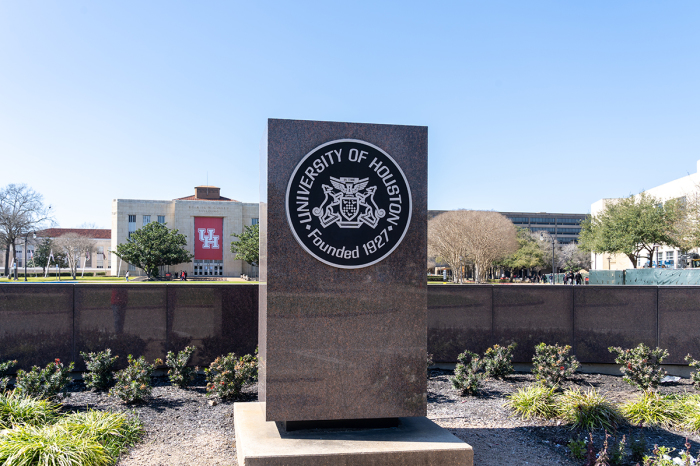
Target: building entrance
x,y
208,268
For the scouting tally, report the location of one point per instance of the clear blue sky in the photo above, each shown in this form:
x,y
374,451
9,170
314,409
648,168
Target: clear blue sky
x,y
531,105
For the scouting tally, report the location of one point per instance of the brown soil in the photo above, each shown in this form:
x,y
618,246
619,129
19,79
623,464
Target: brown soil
x,y
183,428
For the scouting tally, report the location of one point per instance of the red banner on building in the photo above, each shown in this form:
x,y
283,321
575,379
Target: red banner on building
x,y
208,238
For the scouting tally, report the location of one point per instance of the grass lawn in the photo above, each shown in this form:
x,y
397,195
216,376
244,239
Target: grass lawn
x,y
121,280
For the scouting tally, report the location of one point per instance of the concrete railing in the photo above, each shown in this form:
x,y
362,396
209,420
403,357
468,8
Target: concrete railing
x,y
40,322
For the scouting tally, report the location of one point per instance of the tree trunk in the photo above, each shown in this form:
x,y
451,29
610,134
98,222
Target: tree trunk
x,y
7,259
632,259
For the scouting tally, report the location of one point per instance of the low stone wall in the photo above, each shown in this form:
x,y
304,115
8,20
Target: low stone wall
x,y
40,322
589,318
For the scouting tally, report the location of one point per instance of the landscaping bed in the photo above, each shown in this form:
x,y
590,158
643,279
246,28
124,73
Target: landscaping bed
x,y
185,427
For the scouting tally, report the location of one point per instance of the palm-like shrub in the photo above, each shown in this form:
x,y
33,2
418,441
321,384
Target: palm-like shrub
x,y
694,376
99,365
133,383
4,369
467,377
588,409
641,366
44,383
226,375
498,361
179,373
552,364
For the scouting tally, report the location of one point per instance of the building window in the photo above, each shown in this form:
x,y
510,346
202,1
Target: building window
x,y
569,221
255,221
146,220
132,225
132,218
161,219
132,267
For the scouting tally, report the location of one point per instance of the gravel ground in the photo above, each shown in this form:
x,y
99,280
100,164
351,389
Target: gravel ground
x,y
184,427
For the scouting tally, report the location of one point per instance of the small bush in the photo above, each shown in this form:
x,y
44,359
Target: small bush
x,y
467,378
498,361
44,383
689,407
99,366
533,401
661,456
4,369
226,375
51,445
16,409
577,448
133,383
179,373
588,409
654,410
694,376
641,366
114,431
552,364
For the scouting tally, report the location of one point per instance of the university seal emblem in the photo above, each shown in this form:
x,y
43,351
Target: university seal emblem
x,y
348,203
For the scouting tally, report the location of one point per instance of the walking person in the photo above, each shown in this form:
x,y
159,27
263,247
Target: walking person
x,y
127,276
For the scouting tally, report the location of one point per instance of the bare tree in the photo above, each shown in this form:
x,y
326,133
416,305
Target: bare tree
x,y
489,237
471,236
74,246
572,258
21,210
446,240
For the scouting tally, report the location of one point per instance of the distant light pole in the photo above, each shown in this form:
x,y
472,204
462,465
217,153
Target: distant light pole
x,y
551,238
25,251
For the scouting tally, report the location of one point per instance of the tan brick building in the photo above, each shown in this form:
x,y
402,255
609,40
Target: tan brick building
x,y
207,219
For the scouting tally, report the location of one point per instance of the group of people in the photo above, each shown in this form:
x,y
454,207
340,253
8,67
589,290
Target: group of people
x,y
571,278
182,275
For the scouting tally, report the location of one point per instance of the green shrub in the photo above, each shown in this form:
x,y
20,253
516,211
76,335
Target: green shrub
x,y
641,366
226,375
16,409
533,401
694,376
179,373
655,410
577,448
44,383
689,407
99,366
552,364
467,378
498,361
4,369
588,409
133,383
50,445
661,456
114,431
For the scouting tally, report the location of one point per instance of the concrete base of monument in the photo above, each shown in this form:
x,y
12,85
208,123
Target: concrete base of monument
x,y
416,440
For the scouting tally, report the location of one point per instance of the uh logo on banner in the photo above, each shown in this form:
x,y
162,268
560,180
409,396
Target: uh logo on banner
x,y
208,234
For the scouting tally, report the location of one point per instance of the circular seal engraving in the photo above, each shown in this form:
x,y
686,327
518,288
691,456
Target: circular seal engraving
x,y
348,203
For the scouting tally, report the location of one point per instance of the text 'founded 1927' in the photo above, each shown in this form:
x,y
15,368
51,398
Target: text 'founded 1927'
x,y
348,203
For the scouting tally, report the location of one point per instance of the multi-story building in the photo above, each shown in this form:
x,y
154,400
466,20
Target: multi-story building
x,y
564,227
208,220
663,256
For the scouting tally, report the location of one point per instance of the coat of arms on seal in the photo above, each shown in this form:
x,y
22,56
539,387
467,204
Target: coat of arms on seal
x,y
348,203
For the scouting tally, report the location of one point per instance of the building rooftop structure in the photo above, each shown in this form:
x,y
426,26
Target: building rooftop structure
x,y
96,233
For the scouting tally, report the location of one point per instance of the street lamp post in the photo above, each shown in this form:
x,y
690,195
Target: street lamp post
x,y
25,251
553,271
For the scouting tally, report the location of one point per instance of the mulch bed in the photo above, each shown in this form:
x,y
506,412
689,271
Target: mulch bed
x,y
185,427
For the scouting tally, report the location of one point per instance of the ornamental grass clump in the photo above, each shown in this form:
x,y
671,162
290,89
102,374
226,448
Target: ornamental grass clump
x,y
641,366
689,407
16,409
4,369
552,364
694,376
588,409
534,400
50,445
44,383
654,410
467,377
179,373
99,365
498,361
227,375
133,383
114,431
